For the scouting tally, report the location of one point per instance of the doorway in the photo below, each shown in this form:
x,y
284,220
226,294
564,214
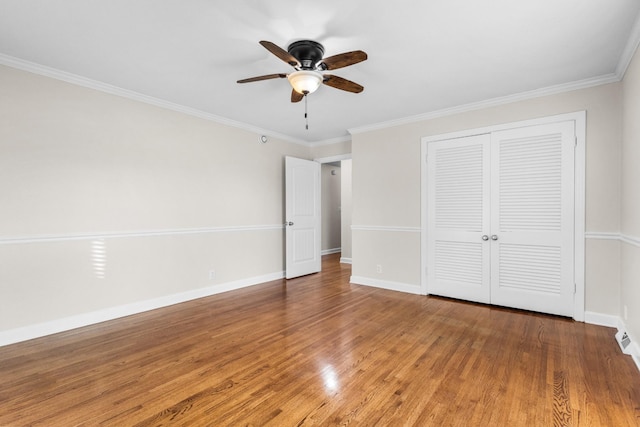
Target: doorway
x,y
338,228
331,207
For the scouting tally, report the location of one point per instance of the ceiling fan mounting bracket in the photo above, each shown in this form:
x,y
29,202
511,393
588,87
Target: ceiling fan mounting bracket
x,y
307,52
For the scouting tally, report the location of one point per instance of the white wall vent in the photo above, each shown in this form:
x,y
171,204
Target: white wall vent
x,y
624,342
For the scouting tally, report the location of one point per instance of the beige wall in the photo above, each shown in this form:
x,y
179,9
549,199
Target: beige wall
x,y
172,197
167,198
630,214
386,188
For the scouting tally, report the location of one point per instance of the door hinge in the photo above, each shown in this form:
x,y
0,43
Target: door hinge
x,y
575,288
575,141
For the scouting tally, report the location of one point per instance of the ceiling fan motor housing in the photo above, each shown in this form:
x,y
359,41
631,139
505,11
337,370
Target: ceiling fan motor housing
x,y
307,52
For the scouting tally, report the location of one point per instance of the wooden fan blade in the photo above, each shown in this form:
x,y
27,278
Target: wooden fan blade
x,y
295,96
280,53
342,84
343,59
265,77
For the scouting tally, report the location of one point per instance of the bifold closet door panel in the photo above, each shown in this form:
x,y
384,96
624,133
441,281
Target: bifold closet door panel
x,y
532,220
458,182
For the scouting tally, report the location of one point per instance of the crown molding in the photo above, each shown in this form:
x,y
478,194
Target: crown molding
x,y
331,141
493,102
625,59
75,79
623,63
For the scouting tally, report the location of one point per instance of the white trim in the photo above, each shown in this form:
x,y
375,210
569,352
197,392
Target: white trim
x,y
332,159
579,118
623,64
629,49
624,238
423,217
330,251
494,102
580,212
385,284
631,240
612,321
598,235
385,228
331,141
60,325
633,349
50,72
75,79
600,319
142,233
344,260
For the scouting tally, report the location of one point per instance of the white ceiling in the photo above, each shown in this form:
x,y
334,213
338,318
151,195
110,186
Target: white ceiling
x,y
424,55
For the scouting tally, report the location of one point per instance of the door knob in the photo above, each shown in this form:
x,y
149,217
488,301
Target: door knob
x,y
494,237
288,223
485,237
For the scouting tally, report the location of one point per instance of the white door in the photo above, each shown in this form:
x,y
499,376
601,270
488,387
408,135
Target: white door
x,y
458,218
302,220
532,204
500,218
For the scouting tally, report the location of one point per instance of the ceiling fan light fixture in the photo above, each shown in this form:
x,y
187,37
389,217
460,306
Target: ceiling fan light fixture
x,y
305,81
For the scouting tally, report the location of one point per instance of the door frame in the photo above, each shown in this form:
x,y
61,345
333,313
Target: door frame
x,y
332,159
579,119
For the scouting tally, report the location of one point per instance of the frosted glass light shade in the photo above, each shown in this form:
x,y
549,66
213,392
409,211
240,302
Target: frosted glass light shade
x,y
305,81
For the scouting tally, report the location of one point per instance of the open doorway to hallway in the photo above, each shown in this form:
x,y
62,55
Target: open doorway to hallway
x,y
336,206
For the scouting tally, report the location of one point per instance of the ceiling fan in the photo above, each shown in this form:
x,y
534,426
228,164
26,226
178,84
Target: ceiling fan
x,y
305,56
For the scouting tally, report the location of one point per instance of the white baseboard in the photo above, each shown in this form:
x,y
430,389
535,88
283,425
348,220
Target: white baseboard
x,y
384,284
344,260
633,349
601,319
60,325
612,321
330,251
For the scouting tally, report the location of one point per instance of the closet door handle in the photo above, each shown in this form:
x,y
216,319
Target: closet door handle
x,y
494,237
485,237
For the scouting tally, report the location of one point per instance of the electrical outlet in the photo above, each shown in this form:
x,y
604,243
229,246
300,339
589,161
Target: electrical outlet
x,y
212,275
378,268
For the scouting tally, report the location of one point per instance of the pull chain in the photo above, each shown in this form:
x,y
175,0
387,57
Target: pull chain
x,y
306,117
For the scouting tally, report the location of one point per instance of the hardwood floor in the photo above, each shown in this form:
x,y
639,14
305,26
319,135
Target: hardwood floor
x,y
319,351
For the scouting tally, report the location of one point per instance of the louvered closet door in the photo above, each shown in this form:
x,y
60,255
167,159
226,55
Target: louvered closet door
x,y
532,218
458,215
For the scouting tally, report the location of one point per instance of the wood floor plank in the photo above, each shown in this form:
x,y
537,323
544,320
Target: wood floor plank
x,y
317,351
